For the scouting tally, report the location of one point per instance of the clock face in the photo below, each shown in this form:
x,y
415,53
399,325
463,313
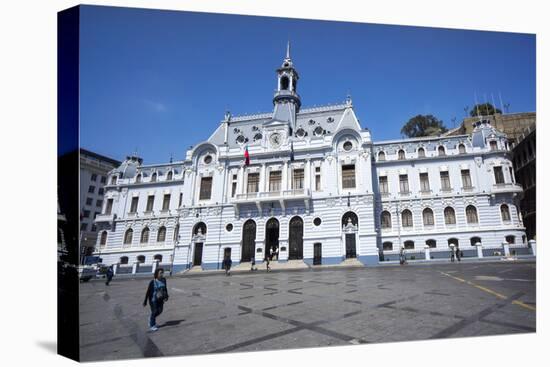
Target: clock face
x,y
275,139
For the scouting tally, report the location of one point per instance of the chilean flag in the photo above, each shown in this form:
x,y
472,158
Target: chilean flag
x,y
246,156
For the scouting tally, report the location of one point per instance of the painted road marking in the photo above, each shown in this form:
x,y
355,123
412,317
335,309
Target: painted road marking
x,y
490,291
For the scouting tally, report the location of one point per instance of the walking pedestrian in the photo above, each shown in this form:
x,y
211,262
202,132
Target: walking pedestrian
x,y
457,254
267,263
402,256
253,264
156,295
109,275
452,255
227,265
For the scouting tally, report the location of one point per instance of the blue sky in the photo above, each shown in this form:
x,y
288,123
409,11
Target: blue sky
x,y
160,81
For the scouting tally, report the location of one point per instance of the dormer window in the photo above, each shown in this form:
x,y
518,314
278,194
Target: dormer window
x,y
461,149
441,151
318,131
169,176
138,178
154,177
493,145
113,180
381,156
401,155
421,153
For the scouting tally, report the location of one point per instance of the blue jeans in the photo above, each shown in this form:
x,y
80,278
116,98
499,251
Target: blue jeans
x,y
156,309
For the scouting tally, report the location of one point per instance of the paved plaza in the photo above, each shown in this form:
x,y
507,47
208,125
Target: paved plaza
x,y
308,308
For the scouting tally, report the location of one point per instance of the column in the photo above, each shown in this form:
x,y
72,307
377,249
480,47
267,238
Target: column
x,y
262,178
135,267
506,248
307,174
240,183
427,252
479,250
533,245
285,176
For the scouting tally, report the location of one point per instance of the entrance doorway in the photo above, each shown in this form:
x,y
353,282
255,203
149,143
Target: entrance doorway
x,y
272,238
296,239
350,227
197,259
249,240
350,246
317,255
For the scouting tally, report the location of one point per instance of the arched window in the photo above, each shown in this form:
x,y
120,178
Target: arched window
x,y
431,243
201,226
428,217
113,180
385,219
138,178
387,246
511,239
441,150
176,232
407,218
401,154
381,156
452,241
154,177
505,213
471,214
449,214
158,257
493,145
103,238
461,149
140,259
144,235
123,260
161,235
475,240
128,236
409,245
169,176
350,216
421,153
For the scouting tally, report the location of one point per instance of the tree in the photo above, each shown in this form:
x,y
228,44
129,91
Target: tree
x,y
423,125
484,109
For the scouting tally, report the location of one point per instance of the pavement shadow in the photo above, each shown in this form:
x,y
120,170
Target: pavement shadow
x,y
171,323
49,345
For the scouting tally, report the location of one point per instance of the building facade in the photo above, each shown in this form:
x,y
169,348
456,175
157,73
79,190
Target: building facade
x,y
94,169
316,189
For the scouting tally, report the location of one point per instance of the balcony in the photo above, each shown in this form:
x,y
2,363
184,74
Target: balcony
x,y
508,187
282,197
104,217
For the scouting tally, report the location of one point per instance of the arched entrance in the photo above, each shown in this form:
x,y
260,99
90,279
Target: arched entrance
x,y
249,240
350,226
198,239
272,236
296,239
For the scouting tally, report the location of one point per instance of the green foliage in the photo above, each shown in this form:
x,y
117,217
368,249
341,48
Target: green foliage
x,y
484,109
423,125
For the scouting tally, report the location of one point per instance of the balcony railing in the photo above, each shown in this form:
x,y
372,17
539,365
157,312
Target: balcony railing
x,y
506,187
273,195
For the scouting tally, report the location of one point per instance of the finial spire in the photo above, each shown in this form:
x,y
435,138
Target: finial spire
x,y
288,49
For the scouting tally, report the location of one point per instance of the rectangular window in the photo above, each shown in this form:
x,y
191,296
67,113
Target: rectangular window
x,y
383,184
511,174
253,184
234,186
86,214
150,203
103,179
109,206
101,191
348,176
83,226
499,176
445,180
91,189
404,184
466,179
275,181
134,205
166,202
89,201
298,179
99,203
206,188
317,178
94,228
94,177
424,182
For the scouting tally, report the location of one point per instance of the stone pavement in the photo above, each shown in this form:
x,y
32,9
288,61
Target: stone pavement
x,y
308,308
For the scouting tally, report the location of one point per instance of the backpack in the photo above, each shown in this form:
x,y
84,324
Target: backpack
x,y
161,294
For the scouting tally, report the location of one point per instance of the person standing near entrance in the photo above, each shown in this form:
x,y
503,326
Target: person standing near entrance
x,y
267,262
227,265
109,275
452,255
156,295
402,259
457,252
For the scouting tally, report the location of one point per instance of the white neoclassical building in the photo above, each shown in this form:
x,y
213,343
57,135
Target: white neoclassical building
x,y
317,189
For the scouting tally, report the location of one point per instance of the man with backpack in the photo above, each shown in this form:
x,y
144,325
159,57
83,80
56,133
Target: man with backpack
x,y
156,295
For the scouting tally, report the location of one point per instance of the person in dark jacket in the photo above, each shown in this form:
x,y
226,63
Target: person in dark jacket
x,y
457,253
109,275
156,295
227,265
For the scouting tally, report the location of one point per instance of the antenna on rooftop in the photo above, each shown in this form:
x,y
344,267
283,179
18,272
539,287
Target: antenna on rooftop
x,y
171,157
501,105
